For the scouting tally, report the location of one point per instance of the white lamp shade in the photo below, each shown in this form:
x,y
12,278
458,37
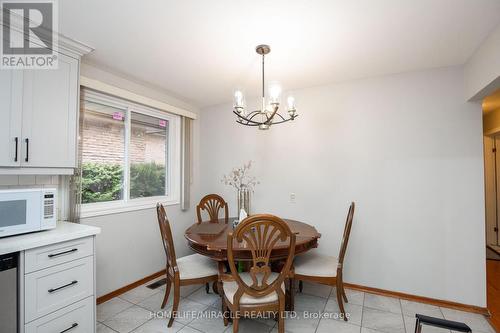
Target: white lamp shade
x,y
290,102
274,92
239,99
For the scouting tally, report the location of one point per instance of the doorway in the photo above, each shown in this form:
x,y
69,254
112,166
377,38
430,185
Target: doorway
x,y
492,189
491,131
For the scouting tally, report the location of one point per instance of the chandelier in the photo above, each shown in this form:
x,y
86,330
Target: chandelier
x,y
268,114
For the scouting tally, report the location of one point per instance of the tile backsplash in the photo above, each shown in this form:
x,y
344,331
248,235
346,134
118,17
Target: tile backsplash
x,y
14,181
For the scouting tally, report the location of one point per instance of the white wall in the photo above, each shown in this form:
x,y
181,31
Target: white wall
x,y
406,148
482,70
129,246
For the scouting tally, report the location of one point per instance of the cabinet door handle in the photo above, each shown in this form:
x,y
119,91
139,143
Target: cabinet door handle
x,y
52,255
72,283
27,149
17,144
70,328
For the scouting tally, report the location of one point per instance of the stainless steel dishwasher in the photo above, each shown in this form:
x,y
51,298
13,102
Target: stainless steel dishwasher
x,y
9,292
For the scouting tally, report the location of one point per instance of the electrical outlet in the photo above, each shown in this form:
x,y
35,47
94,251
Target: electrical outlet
x,y
292,197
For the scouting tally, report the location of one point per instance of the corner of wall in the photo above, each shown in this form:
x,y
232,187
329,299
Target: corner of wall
x,y
482,70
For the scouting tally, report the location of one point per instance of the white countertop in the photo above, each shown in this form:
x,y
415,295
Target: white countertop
x,y
64,231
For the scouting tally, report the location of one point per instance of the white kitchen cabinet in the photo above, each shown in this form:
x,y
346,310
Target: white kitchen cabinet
x,y
57,254
39,115
56,287
50,116
56,278
11,83
76,318
59,284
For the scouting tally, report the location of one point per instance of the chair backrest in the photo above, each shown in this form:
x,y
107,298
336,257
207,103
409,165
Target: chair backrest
x,y
347,232
166,237
212,203
260,233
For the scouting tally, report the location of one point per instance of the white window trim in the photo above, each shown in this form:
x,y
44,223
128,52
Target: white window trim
x,y
173,163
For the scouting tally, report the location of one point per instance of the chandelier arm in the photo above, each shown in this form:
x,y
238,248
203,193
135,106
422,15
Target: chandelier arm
x,y
274,123
270,118
284,120
247,124
279,115
248,120
254,115
249,116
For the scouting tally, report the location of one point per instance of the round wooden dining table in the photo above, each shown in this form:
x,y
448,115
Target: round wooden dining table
x,y
210,239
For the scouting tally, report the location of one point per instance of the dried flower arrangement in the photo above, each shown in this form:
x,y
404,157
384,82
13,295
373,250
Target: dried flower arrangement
x,y
240,179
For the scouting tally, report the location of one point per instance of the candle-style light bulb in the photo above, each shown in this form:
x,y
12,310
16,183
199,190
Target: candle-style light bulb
x,y
274,93
291,103
239,100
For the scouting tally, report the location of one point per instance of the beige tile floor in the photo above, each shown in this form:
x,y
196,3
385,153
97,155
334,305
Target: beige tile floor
x,y
135,312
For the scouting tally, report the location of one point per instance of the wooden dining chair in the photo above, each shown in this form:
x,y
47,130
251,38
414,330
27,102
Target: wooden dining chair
x,y
188,270
259,291
323,269
212,203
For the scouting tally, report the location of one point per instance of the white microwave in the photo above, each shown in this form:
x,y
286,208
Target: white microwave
x,y
27,210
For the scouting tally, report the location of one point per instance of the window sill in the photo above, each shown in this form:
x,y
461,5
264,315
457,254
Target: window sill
x,y
101,209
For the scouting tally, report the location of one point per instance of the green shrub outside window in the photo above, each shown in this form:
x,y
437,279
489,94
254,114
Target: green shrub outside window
x,y
103,181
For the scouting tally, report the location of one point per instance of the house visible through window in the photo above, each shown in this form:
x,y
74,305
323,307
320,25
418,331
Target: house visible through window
x,y
128,153
103,153
148,156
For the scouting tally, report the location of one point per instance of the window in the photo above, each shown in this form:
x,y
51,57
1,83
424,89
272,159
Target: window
x,y
103,153
148,156
130,155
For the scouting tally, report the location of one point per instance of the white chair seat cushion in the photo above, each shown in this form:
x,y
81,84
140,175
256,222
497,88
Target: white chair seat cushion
x,y
230,288
313,263
196,266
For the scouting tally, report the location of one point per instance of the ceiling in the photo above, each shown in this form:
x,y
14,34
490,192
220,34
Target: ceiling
x,y
201,50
